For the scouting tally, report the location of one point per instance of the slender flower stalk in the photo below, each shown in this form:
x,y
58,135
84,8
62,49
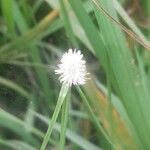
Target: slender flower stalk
x,y
62,95
72,71
64,121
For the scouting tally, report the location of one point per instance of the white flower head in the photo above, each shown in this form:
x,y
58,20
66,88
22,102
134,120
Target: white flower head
x,y
72,69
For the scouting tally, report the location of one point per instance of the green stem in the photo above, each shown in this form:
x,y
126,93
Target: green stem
x,y
92,113
64,121
62,95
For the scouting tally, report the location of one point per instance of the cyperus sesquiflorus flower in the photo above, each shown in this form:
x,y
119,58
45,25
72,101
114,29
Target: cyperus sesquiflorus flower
x,y
72,69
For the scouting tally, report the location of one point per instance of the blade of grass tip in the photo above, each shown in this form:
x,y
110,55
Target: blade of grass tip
x,y
61,98
95,120
67,23
64,120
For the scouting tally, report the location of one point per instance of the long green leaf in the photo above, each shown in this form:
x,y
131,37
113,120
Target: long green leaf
x,y
125,73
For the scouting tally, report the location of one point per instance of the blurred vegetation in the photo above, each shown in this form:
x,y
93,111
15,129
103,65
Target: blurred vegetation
x,y
113,110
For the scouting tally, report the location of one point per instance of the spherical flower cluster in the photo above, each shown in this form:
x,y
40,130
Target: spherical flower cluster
x,y
72,69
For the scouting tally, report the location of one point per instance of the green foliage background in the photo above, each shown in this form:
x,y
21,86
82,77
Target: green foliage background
x,y
112,109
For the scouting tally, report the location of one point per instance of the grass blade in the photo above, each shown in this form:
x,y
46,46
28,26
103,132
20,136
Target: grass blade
x,y
14,86
62,95
64,121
